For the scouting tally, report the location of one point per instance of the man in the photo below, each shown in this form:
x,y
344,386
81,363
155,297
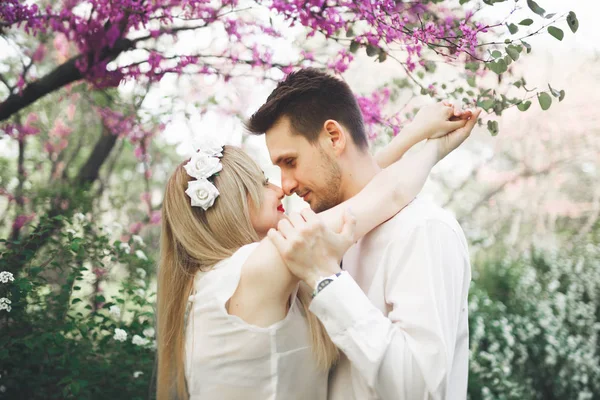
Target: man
x,y
399,314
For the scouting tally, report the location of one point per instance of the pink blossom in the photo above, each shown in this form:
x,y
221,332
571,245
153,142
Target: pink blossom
x,y
21,220
136,227
155,217
39,53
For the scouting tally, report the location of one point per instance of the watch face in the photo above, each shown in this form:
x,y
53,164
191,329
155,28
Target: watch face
x,y
323,283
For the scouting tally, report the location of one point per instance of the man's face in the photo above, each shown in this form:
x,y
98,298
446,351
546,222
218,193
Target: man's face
x,y
306,168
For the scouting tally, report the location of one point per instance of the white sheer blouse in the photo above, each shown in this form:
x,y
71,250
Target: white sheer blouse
x,y
227,358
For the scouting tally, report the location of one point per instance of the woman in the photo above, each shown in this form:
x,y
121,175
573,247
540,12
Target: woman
x,y
211,250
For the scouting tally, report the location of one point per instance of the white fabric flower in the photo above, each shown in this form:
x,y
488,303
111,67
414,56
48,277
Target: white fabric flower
x,y
139,341
120,335
148,332
140,254
141,272
202,166
211,147
115,310
202,192
6,276
125,247
138,240
137,374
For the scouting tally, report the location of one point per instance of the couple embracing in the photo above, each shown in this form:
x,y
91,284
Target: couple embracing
x,y
362,296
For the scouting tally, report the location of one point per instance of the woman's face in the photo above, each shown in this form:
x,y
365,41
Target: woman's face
x,y
271,210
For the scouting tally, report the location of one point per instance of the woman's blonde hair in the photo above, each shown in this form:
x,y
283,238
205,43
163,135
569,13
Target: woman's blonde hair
x,y
193,239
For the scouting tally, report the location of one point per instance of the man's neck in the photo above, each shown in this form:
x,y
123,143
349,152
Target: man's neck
x,y
358,172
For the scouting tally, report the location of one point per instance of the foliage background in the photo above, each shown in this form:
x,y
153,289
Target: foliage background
x,y
79,212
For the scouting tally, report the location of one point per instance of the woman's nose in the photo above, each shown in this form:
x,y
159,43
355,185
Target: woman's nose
x,y
278,190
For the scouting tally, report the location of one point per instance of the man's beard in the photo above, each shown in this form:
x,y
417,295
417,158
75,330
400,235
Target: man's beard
x,y
330,193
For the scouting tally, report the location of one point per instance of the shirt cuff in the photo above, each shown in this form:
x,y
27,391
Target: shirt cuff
x,y
341,305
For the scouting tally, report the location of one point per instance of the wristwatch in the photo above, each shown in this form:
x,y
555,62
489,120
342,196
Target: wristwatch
x,y
323,281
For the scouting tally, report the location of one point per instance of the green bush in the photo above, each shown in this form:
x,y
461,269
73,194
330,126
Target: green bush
x,y
535,326
59,339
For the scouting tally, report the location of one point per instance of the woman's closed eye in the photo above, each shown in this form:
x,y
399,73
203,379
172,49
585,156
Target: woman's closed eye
x,y
290,162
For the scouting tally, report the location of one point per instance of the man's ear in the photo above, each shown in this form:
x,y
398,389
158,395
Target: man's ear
x,y
335,135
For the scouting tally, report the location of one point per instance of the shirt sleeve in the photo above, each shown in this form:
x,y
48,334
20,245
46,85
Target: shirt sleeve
x,y
409,353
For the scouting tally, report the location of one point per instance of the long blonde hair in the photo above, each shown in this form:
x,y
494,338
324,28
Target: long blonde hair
x,y
193,239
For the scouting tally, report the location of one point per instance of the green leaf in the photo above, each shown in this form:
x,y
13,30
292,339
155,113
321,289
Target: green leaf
x,y
354,45
524,106
498,67
496,54
512,52
471,80
461,2
545,100
487,104
556,32
512,28
382,56
75,301
549,16
526,22
573,22
493,127
472,66
561,95
527,46
372,50
536,8
554,92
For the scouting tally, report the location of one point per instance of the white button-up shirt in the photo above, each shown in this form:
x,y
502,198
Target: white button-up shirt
x,y
402,322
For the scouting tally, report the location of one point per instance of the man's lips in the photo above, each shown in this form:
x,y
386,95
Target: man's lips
x,y
280,208
305,196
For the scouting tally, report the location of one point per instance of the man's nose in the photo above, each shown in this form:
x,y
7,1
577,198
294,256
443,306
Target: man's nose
x,y
288,183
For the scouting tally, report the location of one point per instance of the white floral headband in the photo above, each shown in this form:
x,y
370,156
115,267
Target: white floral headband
x,y
204,164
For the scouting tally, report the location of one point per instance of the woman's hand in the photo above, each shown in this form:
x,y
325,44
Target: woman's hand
x,y
447,143
438,119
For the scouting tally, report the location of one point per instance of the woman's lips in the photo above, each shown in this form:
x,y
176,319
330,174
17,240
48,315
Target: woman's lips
x,y
280,208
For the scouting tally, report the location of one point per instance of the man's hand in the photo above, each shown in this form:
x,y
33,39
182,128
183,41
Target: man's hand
x,y
438,119
310,249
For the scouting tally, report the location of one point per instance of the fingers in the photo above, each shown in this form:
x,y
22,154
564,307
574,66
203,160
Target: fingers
x,y
454,125
285,228
277,239
309,215
349,225
296,220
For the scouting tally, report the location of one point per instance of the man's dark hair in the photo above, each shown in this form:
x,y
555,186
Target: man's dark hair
x,y
308,98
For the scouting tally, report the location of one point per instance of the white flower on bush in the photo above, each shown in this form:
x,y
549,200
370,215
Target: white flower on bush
x,y
137,374
140,254
2,388
120,335
138,240
115,310
139,341
125,247
116,227
141,272
202,193
140,292
6,276
5,304
71,231
140,282
79,217
148,332
202,166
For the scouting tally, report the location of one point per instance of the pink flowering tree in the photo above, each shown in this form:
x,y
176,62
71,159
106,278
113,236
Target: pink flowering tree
x,y
70,57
